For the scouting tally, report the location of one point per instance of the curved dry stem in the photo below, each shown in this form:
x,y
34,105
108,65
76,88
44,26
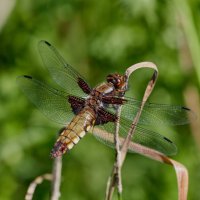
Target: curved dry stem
x,y
55,178
147,93
126,144
115,178
181,171
38,180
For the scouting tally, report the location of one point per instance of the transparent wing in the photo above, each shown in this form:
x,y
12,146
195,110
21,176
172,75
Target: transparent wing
x,y
51,102
152,114
141,136
62,73
156,114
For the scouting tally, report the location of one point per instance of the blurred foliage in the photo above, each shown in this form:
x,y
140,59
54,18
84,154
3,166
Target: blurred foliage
x,y
96,37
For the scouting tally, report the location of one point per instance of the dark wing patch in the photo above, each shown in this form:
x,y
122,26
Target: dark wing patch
x,y
84,86
104,117
113,100
77,104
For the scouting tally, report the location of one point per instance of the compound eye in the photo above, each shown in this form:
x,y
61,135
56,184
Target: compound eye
x,y
117,83
114,81
110,79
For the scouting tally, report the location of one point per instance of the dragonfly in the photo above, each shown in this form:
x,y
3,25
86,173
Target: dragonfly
x,y
80,108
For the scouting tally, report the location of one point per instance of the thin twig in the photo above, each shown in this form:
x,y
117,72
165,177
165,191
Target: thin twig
x,y
111,183
115,177
55,177
57,169
33,185
117,165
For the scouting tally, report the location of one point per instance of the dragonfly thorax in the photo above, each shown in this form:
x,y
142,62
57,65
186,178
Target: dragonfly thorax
x,y
94,100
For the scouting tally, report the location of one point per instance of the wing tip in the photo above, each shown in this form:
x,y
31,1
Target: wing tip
x,y
185,108
168,140
27,76
19,78
192,114
41,42
47,43
173,146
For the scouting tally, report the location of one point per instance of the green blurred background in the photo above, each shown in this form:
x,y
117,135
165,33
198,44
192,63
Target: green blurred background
x,y
97,37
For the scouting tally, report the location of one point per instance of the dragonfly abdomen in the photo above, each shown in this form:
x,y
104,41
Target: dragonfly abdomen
x,y
75,131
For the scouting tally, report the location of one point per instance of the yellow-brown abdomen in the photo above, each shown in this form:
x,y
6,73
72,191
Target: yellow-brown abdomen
x,y
77,128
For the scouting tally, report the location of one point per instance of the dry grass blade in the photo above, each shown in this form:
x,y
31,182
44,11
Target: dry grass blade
x,y
115,178
33,185
181,171
147,93
126,144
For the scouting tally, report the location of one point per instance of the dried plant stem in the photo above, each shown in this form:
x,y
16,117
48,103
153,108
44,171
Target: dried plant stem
x,y
117,166
181,171
38,180
127,144
111,183
55,177
115,177
57,169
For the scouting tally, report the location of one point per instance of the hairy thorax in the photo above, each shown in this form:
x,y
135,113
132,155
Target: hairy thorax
x,y
94,100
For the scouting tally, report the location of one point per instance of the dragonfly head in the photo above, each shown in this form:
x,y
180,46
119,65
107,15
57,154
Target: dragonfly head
x,y
118,81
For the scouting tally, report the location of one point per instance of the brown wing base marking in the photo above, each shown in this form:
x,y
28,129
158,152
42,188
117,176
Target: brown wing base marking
x,y
113,100
104,117
77,104
84,86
